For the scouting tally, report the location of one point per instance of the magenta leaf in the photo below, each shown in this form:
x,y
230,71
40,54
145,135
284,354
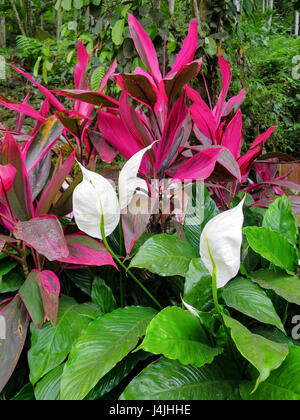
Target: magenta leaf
x,y
144,47
84,250
105,150
45,235
189,47
226,79
81,66
90,97
20,194
54,186
139,87
7,176
232,137
21,108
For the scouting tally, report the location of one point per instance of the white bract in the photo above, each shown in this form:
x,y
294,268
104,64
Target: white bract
x,y
95,197
221,239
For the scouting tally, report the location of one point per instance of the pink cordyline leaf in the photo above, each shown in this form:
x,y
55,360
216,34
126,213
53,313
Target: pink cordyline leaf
x,y
54,186
199,166
84,250
22,108
49,286
226,79
232,137
7,176
144,47
105,150
51,98
189,47
81,66
21,116
45,235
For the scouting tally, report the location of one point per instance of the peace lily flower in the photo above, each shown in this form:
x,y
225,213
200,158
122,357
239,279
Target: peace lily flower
x,y
220,244
95,197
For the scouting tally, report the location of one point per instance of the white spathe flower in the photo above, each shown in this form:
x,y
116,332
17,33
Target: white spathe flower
x,y
95,196
128,179
221,239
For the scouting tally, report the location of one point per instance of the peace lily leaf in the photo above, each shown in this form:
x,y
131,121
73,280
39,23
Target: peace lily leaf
x,y
25,394
221,239
263,354
201,208
93,197
128,180
105,342
178,334
31,297
198,286
272,246
170,380
283,285
279,217
50,346
48,388
115,376
246,297
283,384
103,296
165,255
12,281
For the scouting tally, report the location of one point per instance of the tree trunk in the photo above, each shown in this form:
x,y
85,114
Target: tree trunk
x,y
203,10
87,19
28,17
172,6
297,23
271,6
2,30
21,27
59,23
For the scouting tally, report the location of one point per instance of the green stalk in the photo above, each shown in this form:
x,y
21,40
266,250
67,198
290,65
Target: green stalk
x,y
124,266
121,273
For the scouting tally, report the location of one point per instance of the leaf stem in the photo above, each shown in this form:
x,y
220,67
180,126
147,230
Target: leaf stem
x,y
124,266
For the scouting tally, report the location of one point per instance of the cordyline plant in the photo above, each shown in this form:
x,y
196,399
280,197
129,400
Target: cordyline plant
x,y
41,192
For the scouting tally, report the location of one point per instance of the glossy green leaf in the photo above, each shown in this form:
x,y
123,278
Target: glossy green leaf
x,y
263,354
201,208
198,286
48,388
12,281
177,334
283,285
273,247
170,380
165,255
31,297
117,32
279,217
104,343
50,346
282,385
103,296
25,394
248,298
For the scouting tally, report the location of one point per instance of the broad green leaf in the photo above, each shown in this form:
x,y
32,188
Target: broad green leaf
x,y
103,296
273,334
282,385
11,281
201,208
6,266
283,285
117,32
104,343
210,46
170,380
48,388
31,297
279,217
97,77
198,286
25,394
165,255
177,334
273,247
50,346
116,375
248,298
263,354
